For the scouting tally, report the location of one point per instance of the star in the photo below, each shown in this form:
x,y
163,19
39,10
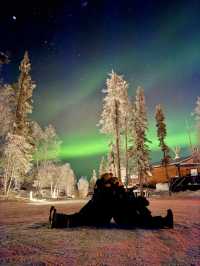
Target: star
x,y
84,3
14,17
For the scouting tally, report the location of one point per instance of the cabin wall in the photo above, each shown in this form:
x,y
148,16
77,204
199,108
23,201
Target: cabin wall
x,y
159,173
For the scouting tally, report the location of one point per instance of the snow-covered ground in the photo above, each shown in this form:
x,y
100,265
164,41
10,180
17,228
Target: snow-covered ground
x,y
57,202
26,240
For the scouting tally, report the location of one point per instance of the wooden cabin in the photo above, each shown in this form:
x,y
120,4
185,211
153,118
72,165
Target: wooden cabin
x,y
187,166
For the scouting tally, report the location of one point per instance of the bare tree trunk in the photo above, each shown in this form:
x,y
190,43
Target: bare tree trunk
x,y
141,182
166,173
117,139
37,164
51,189
167,176
113,165
8,189
113,169
10,182
126,152
6,176
5,181
54,193
57,192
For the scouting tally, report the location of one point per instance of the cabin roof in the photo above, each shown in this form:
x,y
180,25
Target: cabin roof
x,y
180,160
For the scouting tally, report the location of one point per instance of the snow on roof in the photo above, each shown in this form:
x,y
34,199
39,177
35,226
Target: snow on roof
x,y
180,160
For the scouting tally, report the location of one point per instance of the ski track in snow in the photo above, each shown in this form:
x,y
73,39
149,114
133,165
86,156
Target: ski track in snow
x,y
26,240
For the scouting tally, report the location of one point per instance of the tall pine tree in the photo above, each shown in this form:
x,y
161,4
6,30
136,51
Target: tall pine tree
x,y
111,121
20,131
24,101
161,134
140,150
125,112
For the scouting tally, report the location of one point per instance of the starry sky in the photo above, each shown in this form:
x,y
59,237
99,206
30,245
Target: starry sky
x,y
73,45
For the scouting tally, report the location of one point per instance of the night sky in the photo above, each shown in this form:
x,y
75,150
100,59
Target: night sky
x,y
74,44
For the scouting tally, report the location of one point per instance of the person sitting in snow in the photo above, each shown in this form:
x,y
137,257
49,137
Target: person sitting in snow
x,y
112,200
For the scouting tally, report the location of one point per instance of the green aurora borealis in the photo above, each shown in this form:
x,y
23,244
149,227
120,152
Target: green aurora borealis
x,y
95,144
154,44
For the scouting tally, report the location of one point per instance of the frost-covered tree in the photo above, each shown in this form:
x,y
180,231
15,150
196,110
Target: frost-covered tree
x,y
47,176
83,187
140,149
38,137
161,134
111,121
7,109
37,132
125,107
51,144
56,177
177,151
16,160
19,99
46,141
47,146
67,179
24,101
93,180
196,155
196,115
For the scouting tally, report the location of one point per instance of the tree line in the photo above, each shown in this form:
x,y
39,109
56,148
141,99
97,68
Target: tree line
x,y
125,122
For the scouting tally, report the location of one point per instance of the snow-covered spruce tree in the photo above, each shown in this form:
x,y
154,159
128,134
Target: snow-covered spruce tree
x,y
125,111
24,101
111,121
16,160
161,134
83,187
196,115
21,125
140,149
93,180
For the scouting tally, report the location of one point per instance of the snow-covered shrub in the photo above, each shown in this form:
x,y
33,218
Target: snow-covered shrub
x,y
16,160
57,177
68,179
83,187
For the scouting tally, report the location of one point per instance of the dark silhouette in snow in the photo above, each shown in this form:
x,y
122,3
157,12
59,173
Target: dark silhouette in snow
x,y
112,200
